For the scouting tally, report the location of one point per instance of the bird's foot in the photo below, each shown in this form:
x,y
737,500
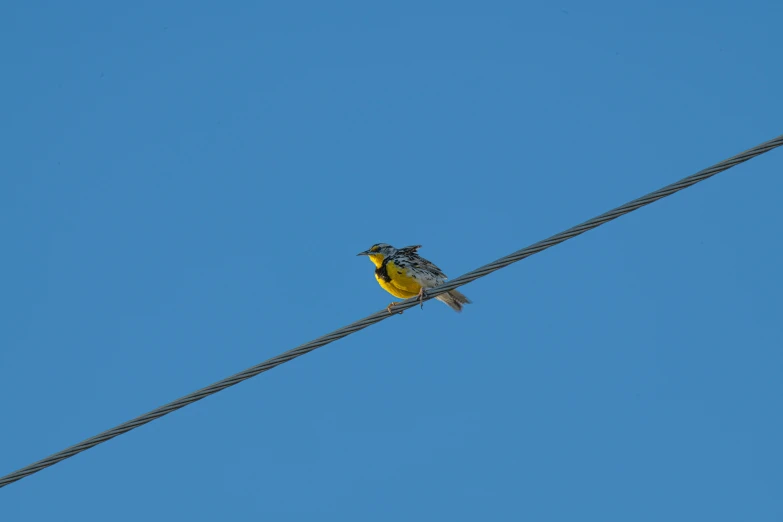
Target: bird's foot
x,y
421,297
389,308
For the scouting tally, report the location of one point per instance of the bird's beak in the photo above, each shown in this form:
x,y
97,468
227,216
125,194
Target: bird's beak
x,y
365,253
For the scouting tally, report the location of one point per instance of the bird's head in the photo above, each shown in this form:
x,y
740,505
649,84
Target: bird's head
x,y
378,252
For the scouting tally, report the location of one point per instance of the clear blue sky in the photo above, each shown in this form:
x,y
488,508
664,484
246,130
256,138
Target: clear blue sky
x,y
184,190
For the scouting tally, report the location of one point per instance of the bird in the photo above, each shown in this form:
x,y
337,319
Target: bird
x,y
404,273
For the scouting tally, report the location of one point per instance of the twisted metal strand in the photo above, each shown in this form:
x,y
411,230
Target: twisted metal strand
x,y
382,315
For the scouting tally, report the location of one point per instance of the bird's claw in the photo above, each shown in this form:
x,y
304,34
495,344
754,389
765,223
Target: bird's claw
x,y
389,308
421,298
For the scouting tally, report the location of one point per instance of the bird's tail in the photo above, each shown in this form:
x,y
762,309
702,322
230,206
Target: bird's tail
x,y
454,299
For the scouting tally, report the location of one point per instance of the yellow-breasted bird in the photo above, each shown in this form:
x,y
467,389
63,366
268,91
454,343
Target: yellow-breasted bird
x,y
404,273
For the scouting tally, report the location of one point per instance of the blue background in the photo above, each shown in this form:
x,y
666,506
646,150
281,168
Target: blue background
x,y
184,190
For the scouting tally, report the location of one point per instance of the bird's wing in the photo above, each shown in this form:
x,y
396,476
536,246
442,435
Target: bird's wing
x,y
429,266
423,271
409,256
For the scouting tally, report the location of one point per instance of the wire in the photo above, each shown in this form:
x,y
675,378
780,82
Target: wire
x,y
380,316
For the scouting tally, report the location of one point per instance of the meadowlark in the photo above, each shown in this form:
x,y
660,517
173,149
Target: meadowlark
x,y
404,273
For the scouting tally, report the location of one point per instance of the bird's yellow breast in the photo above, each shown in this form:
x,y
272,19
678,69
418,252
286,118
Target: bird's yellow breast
x,y
395,280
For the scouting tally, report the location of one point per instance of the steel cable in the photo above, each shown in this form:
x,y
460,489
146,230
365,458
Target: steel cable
x,y
380,316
